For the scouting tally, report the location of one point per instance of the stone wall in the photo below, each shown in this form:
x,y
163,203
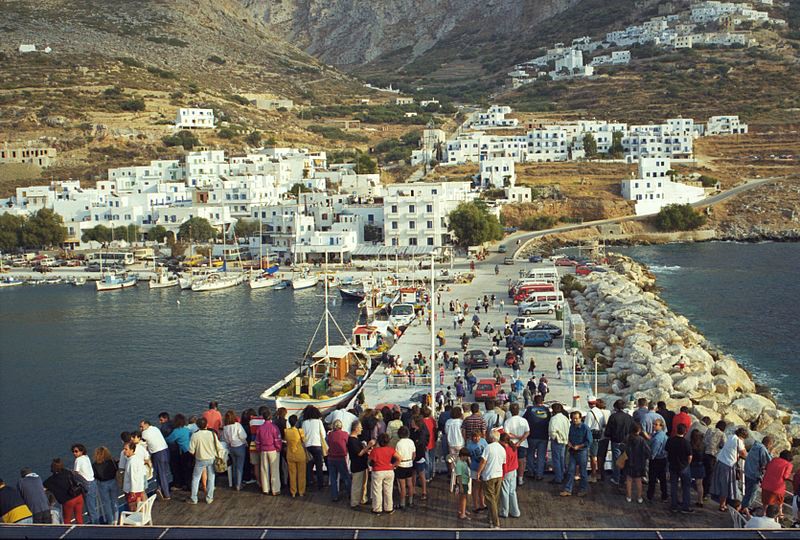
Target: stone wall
x,y
630,324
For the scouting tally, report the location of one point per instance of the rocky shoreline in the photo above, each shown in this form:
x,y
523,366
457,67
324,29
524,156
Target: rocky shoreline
x,y
644,340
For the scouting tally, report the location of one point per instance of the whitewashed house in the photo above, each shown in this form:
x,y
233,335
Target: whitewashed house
x,y
497,172
620,57
654,188
495,117
725,125
194,118
547,144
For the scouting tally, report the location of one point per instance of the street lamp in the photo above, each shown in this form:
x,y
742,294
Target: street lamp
x,y
575,396
595,370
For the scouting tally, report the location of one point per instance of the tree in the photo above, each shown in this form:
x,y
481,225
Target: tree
x,y
98,233
472,224
157,233
184,138
197,229
679,217
10,232
253,138
133,104
299,188
616,149
590,145
43,229
366,165
246,228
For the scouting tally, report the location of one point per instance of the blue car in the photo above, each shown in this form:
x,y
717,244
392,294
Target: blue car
x,y
537,338
535,259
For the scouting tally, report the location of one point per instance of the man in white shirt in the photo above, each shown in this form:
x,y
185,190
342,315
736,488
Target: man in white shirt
x,y
596,420
765,519
491,473
135,480
558,430
518,429
159,455
344,416
83,466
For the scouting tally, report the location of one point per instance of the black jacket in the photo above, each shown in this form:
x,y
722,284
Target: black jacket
x,y
619,426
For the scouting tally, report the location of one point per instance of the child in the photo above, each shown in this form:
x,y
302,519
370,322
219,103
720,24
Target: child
x,y
462,482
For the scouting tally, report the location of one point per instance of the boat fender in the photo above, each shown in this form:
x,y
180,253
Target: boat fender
x,y
305,396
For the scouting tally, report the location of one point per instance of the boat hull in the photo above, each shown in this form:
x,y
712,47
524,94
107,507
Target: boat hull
x,y
103,285
215,284
163,284
304,283
263,283
353,295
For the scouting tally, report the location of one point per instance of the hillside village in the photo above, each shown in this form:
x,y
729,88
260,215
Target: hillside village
x,y
705,23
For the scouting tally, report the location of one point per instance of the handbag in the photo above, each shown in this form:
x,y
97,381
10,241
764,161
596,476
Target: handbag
x,y
220,464
324,444
75,488
622,460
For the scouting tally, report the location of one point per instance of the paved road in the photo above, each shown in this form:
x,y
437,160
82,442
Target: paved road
x,y
524,237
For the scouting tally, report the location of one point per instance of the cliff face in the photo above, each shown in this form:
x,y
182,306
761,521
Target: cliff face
x,y
355,32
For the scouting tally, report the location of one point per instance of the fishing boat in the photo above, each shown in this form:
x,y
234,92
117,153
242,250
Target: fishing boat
x,y
355,294
163,279
9,281
280,286
216,281
78,281
52,280
331,376
267,277
305,281
114,282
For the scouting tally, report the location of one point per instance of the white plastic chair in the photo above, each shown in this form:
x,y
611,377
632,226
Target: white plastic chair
x,y
143,516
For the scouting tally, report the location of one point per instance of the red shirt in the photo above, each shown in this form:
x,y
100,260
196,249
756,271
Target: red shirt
x,y
381,458
337,444
512,463
775,476
214,419
428,421
680,418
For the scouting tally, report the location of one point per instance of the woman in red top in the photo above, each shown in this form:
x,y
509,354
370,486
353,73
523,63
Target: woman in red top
x,y
430,423
509,506
383,460
773,486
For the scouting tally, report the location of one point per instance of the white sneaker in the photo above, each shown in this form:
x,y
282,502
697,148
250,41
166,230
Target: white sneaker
x,y
628,499
640,500
520,481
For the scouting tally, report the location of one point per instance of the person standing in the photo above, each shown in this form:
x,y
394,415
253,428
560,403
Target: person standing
x,y
596,420
697,469
234,435
296,458
518,431
31,489
420,436
657,471
358,451
667,415
268,444
66,488
433,434
682,417
405,468
724,484
383,460
213,417
618,427
578,443
205,447
509,505
314,433
538,418
105,474
679,456
558,431
713,441
159,455
754,466
490,473
12,506
453,432
83,466
638,452
559,366
474,422
475,446
337,460
180,436
773,486
134,482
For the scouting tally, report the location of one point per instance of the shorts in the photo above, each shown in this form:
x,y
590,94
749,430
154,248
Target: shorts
x,y
593,448
522,452
454,450
473,475
769,498
402,473
420,466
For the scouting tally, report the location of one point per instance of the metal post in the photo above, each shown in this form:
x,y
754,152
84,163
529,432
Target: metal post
x,y
433,336
574,382
595,375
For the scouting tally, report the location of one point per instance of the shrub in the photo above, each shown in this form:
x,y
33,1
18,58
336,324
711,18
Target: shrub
x,y
163,73
536,223
133,104
679,217
708,181
227,133
131,62
253,138
241,100
216,59
113,92
184,138
175,42
571,283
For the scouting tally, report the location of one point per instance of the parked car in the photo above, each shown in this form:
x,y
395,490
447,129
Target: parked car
x,y
563,261
42,268
502,248
476,359
531,308
535,259
552,329
486,389
93,267
526,322
583,270
508,260
537,338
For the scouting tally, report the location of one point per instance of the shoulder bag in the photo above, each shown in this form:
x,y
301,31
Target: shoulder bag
x,y
322,438
622,460
309,457
75,488
220,463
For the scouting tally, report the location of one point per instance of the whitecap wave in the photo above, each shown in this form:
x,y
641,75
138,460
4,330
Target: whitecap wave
x,y
664,269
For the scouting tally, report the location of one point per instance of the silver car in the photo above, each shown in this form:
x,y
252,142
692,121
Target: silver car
x,y
531,308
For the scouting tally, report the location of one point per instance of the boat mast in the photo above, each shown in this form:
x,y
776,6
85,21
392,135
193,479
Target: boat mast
x,y
433,333
327,314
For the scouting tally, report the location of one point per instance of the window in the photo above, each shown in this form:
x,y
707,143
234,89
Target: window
x,y
412,208
394,208
430,241
394,241
430,224
412,241
394,225
412,224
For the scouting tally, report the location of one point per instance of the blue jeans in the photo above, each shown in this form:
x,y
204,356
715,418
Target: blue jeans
x,y
316,462
91,503
616,451
430,456
750,486
577,459
199,465
685,476
337,470
508,496
161,469
557,452
108,493
238,454
537,456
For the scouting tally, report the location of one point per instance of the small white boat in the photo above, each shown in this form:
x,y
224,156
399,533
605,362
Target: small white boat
x,y
280,286
78,282
54,280
10,282
304,282
263,282
113,282
216,281
163,279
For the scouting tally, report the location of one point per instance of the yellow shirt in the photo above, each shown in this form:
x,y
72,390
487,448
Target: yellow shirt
x,y
295,450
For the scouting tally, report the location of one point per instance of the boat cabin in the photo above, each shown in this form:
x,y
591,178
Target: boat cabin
x,y
408,295
365,337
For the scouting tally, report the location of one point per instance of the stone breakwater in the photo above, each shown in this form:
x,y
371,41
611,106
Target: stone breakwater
x,y
644,340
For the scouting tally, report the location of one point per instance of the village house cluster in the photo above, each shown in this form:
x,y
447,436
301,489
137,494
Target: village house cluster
x,y
704,23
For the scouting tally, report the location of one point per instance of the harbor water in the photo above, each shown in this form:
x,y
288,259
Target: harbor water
x,y
745,298
82,366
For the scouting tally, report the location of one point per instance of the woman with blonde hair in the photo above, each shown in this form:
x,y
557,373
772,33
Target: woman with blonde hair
x,y
105,472
296,457
234,435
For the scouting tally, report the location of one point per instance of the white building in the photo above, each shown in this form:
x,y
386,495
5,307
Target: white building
x,y
403,101
548,143
416,214
725,125
495,117
620,57
497,172
684,42
195,118
27,48
654,188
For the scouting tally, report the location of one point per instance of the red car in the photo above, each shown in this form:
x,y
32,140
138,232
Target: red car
x,y
566,262
583,270
486,389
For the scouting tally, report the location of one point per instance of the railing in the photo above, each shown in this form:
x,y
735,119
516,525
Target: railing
x,y
407,381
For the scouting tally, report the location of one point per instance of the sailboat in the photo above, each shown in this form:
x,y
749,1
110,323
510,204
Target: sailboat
x,y
265,278
331,376
306,281
114,282
217,280
163,279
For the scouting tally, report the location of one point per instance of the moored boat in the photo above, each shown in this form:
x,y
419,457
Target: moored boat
x,y
304,282
113,282
163,279
216,281
266,279
9,281
354,294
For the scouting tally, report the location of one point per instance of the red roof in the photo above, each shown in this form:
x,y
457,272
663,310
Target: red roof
x,y
362,329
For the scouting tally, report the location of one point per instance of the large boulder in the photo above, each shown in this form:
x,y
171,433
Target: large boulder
x,y
737,377
700,412
750,407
